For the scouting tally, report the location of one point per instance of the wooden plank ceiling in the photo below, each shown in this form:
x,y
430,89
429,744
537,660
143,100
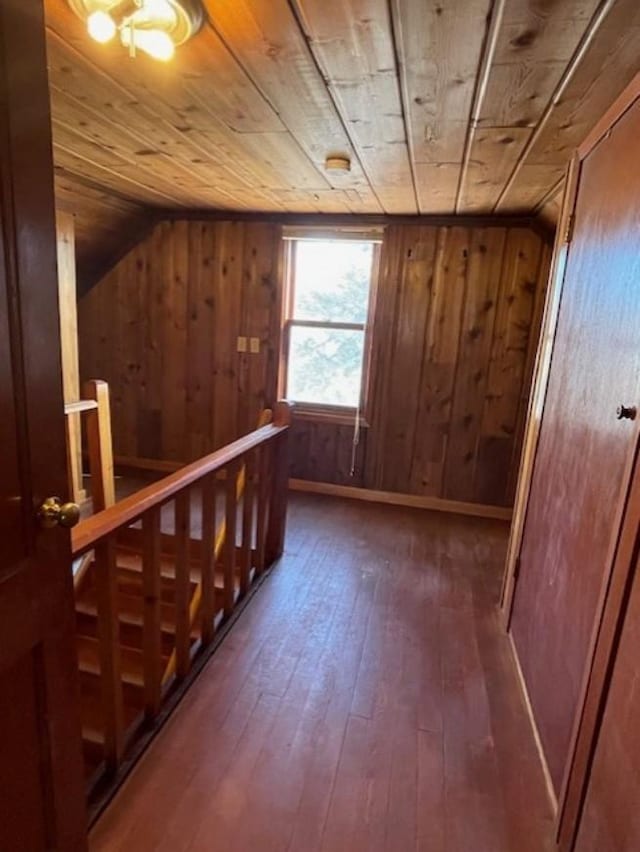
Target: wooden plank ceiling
x,y
444,106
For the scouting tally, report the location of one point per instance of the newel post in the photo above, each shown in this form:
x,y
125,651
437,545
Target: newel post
x,y
99,440
279,485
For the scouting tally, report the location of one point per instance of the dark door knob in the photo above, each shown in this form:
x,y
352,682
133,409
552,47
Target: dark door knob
x,y
626,412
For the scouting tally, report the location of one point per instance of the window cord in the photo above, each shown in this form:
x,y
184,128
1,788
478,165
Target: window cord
x,y
355,442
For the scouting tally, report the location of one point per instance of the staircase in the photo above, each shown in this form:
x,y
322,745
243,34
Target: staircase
x,y
151,591
130,609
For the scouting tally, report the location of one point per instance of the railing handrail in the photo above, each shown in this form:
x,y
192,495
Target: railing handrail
x,y
130,509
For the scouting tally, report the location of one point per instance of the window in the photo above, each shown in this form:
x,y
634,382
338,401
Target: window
x,y
326,310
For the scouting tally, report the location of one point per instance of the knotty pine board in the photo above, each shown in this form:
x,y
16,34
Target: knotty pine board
x,y
452,360
455,327
162,327
441,107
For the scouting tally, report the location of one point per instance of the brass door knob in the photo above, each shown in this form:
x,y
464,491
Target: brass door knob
x,y
55,513
626,412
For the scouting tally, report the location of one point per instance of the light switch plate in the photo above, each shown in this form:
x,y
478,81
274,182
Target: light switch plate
x,y
242,344
254,344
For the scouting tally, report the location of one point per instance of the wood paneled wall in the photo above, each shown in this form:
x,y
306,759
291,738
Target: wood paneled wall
x,y
322,451
454,365
162,329
455,332
454,336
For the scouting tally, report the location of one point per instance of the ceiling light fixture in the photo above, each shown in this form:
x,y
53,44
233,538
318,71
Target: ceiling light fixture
x,y
156,27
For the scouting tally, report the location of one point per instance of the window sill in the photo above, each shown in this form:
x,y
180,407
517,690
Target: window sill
x,y
337,416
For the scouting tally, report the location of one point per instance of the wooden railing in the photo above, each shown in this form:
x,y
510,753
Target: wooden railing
x,y
205,564
244,490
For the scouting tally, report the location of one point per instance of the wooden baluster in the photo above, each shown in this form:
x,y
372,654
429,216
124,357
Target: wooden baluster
x,y
183,583
208,605
99,443
152,639
263,467
109,651
279,486
229,550
247,523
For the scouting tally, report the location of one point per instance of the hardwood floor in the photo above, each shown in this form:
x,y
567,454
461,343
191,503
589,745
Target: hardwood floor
x,y
366,700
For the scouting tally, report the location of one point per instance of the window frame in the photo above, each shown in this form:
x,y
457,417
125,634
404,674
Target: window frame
x,y
339,414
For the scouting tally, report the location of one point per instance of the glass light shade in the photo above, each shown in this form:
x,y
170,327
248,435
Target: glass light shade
x,y
156,27
101,26
158,10
155,43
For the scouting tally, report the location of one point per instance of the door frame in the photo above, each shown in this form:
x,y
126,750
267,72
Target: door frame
x,y
538,393
625,542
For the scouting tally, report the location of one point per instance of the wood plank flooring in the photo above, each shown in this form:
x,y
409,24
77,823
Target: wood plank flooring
x,y
366,700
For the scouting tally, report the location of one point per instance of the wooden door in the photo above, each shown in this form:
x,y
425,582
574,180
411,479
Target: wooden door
x,y
610,817
584,451
41,787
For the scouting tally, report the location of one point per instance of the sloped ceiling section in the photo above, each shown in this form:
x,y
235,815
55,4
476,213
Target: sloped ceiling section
x,y
106,226
463,106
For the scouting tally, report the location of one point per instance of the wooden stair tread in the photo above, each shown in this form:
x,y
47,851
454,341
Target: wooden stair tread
x,y
92,715
129,581
132,572
130,609
132,660
132,559
131,633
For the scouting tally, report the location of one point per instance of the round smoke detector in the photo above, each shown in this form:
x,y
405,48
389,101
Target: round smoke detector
x,y
338,163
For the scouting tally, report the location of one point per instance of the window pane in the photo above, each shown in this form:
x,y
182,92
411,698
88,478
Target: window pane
x,y
325,365
332,280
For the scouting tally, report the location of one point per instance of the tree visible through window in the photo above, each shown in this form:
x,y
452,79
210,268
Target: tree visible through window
x,y
329,286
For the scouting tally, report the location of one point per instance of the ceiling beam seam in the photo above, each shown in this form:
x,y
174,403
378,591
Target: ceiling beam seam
x,y
297,14
397,42
99,71
141,141
62,171
585,42
108,171
268,100
482,81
